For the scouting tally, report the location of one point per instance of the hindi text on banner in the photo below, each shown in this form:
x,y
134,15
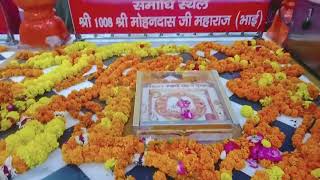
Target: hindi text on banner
x,y
153,4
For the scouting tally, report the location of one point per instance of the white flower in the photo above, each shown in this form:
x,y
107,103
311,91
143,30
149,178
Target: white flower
x,y
223,155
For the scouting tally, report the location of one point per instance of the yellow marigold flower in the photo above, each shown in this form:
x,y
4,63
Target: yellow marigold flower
x,y
266,101
280,52
202,67
120,116
265,80
37,150
280,76
275,66
306,104
56,126
244,63
237,58
13,115
110,164
225,176
266,143
192,66
23,136
256,119
247,111
5,124
253,42
275,173
316,173
106,122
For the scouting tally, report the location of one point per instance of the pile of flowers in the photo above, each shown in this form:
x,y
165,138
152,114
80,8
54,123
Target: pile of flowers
x,y
104,109
30,146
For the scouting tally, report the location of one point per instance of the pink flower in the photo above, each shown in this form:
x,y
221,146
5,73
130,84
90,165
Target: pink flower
x,y
259,152
274,155
181,170
230,146
187,114
183,103
263,153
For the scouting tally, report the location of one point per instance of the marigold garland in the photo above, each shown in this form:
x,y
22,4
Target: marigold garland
x,y
25,55
28,72
31,145
3,48
265,76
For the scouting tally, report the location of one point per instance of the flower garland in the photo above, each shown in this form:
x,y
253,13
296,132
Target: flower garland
x,y
44,60
271,82
100,148
287,95
9,116
140,49
37,151
31,145
158,175
72,80
47,81
9,91
33,108
182,158
24,55
28,72
3,48
123,71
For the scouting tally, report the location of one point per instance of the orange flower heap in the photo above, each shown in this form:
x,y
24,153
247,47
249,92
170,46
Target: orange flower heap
x,y
100,148
183,158
28,72
3,48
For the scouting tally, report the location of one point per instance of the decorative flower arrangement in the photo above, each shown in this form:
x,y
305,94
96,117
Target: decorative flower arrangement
x,y
183,158
47,81
24,55
101,148
33,108
158,175
140,49
9,72
72,80
265,77
44,60
3,48
9,116
9,91
31,145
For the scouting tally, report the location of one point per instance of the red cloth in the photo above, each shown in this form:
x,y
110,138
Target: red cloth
x,y
10,12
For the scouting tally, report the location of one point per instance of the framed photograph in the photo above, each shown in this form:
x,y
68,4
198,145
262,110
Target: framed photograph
x,y
181,104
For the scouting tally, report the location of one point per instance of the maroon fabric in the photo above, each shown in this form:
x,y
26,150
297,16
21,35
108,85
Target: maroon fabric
x,y
11,13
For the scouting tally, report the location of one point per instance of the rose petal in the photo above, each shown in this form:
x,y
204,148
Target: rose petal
x,y
181,170
254,150
230,146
